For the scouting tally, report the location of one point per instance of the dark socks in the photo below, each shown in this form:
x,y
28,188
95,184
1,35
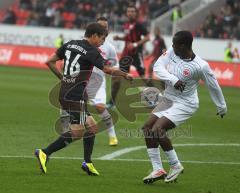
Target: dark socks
x,y
60,143
115,88
88,143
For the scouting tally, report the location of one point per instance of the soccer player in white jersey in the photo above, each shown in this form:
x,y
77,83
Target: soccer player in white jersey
x,y
181,71
97,94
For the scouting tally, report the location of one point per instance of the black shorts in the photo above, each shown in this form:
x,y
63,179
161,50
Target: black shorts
x,y
78,117
74,102
135,60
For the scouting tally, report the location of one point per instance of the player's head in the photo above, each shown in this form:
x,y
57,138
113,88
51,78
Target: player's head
x,y
157,31
103,22
95,33
182,43
131,13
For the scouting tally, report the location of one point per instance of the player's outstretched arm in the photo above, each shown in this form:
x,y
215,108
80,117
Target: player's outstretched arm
x,y
139,43
52,65
119,38
163,74
215,90
116,72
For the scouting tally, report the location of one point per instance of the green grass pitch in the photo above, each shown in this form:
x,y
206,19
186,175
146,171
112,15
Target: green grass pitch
x,y
27,121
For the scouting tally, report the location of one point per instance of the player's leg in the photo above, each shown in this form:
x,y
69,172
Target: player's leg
x,y
88,144
153,152
75,133
89,138
160,128
139,65
107,119
99,102
115,86
150,70
124,65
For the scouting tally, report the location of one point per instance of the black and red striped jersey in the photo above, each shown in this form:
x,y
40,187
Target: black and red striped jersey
x,y
133,33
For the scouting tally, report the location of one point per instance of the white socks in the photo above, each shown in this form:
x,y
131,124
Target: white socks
x,y
172,157
154,155
107,119
111,132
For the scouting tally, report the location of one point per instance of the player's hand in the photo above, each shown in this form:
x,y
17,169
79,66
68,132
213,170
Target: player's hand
x,y
131,46
129,77
116,37
180,85
222,112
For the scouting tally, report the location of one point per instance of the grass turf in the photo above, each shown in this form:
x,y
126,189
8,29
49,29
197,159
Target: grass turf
x,y
27,121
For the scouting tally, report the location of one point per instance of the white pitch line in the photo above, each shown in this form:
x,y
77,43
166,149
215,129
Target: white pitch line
x,y
126,160
33,157
131,149
187,161
120,152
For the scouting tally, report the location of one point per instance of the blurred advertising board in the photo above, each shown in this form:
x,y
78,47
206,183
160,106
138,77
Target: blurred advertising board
x,y
228,74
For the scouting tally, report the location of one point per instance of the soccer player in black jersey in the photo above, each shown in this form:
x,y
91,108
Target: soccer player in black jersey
x,y
80,56
135,36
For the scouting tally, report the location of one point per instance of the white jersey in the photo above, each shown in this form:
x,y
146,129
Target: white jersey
x,y
170,68
96,87
109,53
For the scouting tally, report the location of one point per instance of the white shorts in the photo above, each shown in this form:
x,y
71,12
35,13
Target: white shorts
x,y
96,88
176,112
98,96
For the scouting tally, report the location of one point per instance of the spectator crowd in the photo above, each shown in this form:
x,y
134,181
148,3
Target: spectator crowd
x,y
224,25
77,13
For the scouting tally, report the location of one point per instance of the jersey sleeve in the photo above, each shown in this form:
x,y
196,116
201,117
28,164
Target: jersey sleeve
x,y
113,58
214,88
61,51
160,68
97,60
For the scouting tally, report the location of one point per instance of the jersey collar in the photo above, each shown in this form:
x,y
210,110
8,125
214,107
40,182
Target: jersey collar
x,y
189,59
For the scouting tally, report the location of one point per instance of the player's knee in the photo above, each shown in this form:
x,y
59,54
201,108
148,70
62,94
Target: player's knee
x,y
77,132
100,108
91,125
92,129
147,126
158,131
147,130
88,134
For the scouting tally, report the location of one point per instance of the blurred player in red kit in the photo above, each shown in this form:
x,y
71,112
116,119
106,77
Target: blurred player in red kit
x,y
159,47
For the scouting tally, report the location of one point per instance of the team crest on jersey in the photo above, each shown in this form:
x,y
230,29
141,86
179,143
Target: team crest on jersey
x,y
186,72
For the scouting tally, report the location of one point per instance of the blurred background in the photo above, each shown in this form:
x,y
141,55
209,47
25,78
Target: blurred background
x,y
30,29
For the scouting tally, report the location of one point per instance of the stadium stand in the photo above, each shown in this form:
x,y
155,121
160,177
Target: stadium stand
x,y
225,25
77,13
